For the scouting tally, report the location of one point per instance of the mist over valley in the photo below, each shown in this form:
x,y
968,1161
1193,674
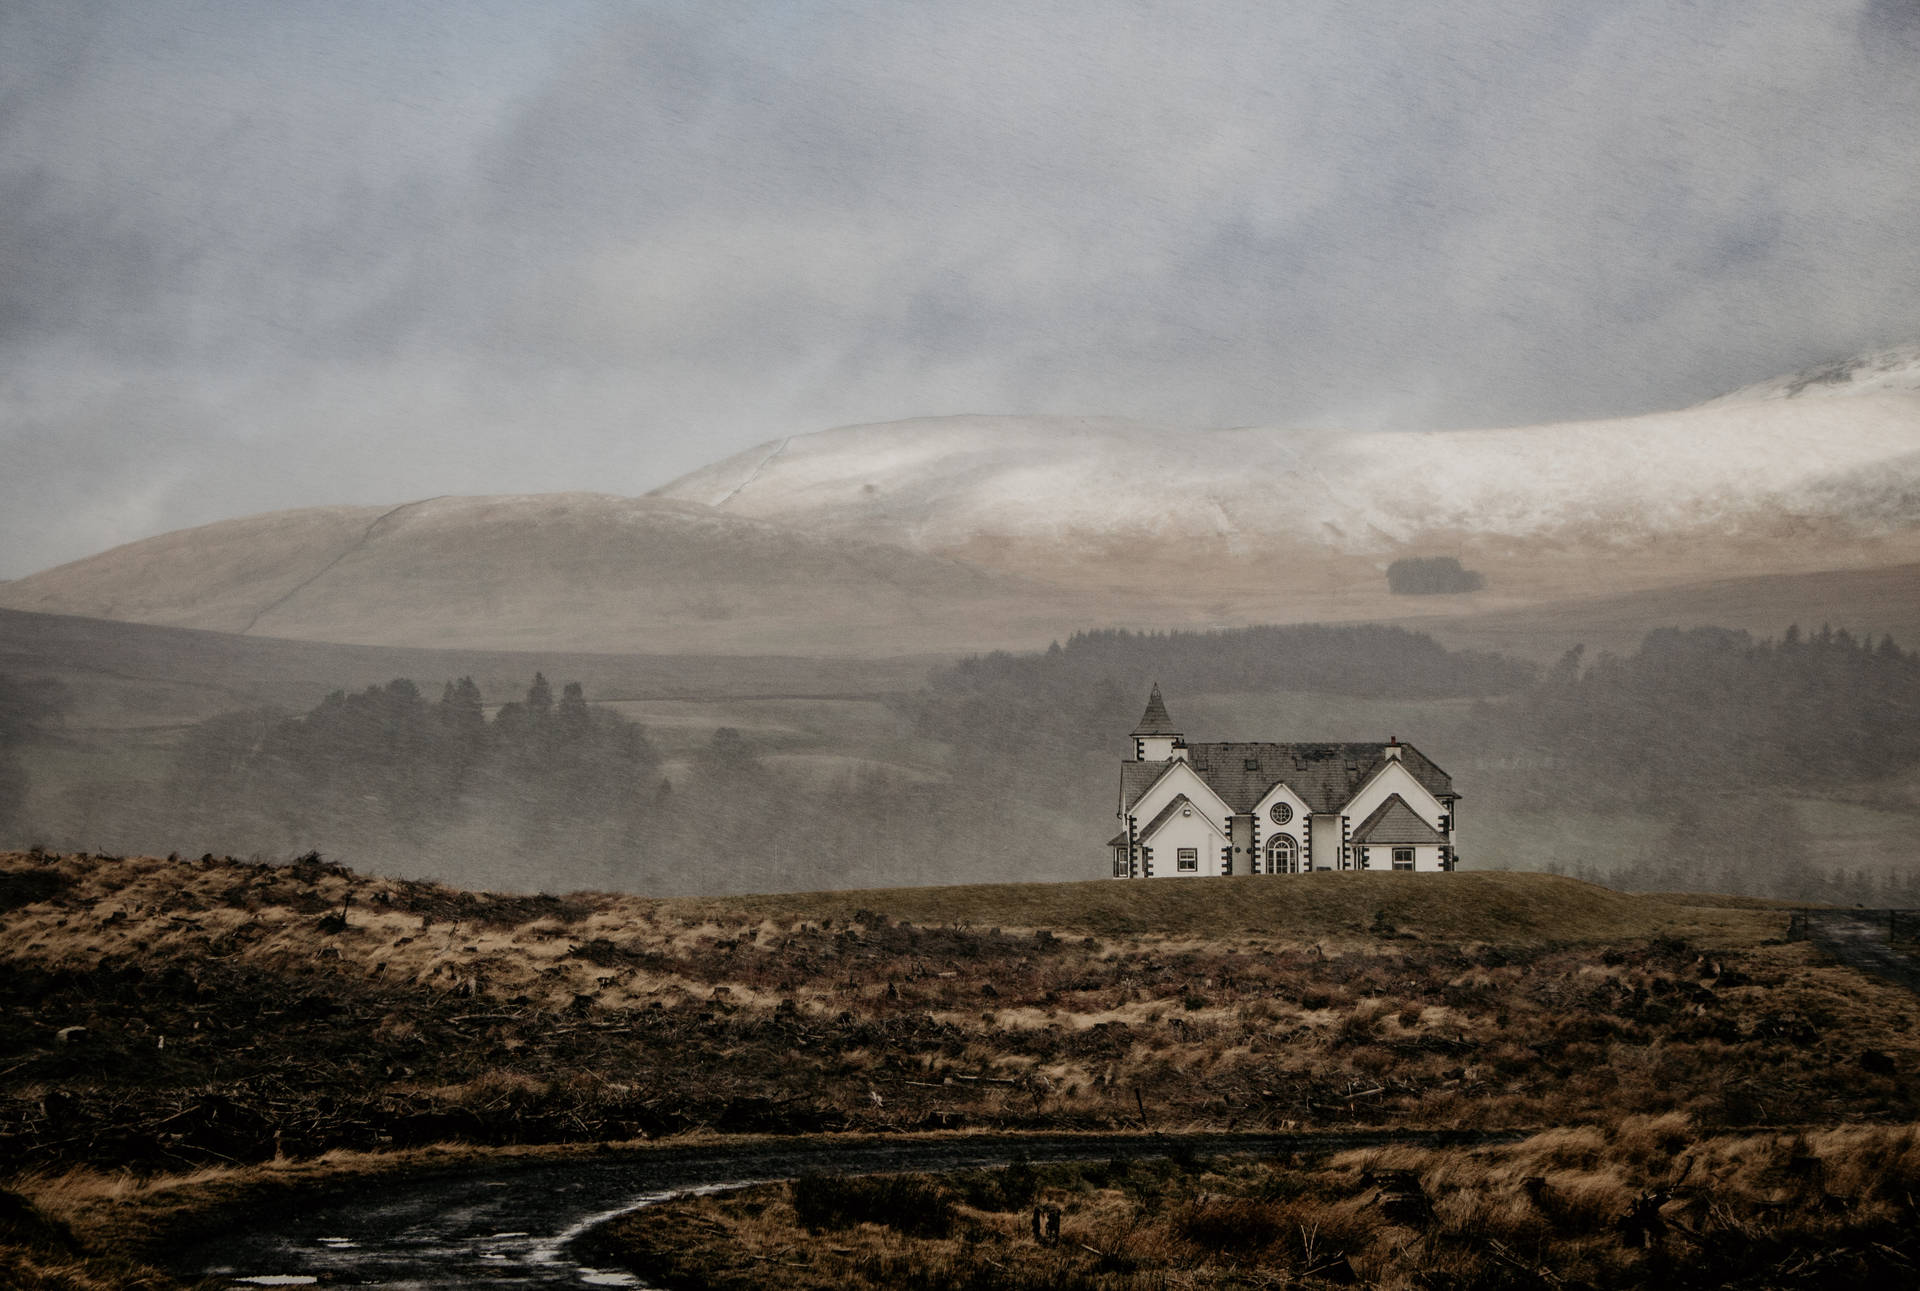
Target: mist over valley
x,y
780,660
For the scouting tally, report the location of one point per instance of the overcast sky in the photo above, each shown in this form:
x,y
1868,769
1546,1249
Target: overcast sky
x,y
276,253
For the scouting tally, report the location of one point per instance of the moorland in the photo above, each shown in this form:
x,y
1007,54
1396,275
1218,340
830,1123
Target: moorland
x,y
188,1029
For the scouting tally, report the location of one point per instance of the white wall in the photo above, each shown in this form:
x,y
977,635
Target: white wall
x,y
1194,831
1326,842
1395,778
1181,779
1280,793
1426,857
1159,748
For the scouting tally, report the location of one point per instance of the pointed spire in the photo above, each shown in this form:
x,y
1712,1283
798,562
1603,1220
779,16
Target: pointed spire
x,y
1155,720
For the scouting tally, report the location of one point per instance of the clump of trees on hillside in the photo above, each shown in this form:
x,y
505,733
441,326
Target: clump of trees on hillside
x,y
549,792
1719,738
1711,710
1432,576
1085,695
1365,659
365,771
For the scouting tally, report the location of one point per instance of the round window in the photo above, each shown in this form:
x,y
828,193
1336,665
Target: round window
x,y
1282,813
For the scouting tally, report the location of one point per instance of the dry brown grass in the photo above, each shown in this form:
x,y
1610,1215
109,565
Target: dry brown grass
x,y
1327,909
226,1013
1757,1211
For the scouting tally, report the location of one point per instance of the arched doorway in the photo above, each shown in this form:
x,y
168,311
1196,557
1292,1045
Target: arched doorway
x,y
1283,855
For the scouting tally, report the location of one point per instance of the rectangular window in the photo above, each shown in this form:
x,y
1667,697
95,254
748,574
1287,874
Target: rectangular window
x,y
1119,864
1189,860
1403,858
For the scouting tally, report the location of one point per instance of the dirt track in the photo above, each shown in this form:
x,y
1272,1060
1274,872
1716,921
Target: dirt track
x,y
511,1225
1861,939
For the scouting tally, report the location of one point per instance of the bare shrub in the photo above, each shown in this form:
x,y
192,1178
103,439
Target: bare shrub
x,y
1646,1141
1360,1026
1230,1223
911,1204
1578,1203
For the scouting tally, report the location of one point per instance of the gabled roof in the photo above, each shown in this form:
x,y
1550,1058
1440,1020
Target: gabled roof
x,y
1395,822
1155,720
1136,778
1172,809
1325,776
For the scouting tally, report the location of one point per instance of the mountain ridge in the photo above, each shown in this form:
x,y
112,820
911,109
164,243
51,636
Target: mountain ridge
x,y
976,532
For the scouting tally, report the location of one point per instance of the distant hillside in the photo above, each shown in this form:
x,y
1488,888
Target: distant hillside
x,y
1867,602
128,677
581,572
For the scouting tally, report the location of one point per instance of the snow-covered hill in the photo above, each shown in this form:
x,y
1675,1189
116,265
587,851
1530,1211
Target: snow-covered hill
x,y
972,532
941,484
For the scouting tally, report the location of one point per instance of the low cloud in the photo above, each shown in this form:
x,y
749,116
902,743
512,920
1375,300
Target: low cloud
x,y
261,256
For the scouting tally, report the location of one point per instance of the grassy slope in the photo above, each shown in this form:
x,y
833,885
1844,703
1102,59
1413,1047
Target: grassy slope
x,y
1497,907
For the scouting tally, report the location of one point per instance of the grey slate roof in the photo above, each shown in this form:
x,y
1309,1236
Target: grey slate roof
x,y
1135,779
1155,720
1395,822
1325,776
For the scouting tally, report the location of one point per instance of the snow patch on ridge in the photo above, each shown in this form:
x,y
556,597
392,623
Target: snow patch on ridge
x,y
1890,371
940,483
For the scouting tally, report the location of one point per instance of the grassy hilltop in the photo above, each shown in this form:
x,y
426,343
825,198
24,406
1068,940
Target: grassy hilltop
x,y
165,1016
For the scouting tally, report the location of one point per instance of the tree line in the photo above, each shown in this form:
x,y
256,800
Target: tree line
x,y
547,791
1087,693
1699,742
1704,711
368,769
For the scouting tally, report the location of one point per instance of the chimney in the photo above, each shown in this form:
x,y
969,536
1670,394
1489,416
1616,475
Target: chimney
x,y
1392,749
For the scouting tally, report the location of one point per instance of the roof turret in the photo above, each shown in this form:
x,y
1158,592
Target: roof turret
x,y
1155,720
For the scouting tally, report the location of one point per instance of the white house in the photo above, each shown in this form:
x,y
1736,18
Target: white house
x,y
1194,809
